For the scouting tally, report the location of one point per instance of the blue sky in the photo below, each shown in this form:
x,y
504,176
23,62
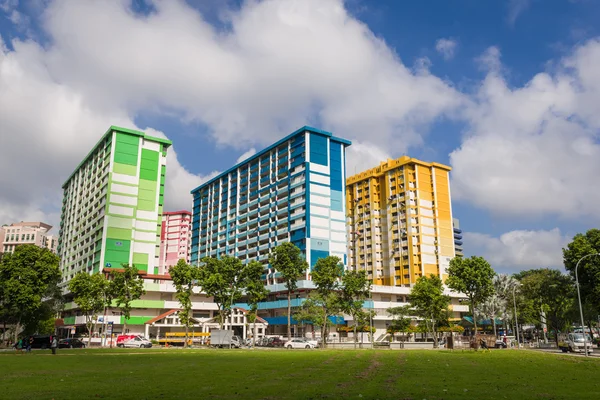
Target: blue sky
x,y
501,90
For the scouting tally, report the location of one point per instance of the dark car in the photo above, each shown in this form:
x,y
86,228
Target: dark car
x,y
275,342
40,341
71,344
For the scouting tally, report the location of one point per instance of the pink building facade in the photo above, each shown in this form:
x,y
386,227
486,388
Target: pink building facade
x,y
175,239
20,233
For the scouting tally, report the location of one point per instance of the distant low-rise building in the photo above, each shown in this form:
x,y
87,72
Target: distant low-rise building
x,y
21,233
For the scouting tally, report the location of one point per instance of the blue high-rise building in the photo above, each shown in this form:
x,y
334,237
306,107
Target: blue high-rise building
x,y
294,190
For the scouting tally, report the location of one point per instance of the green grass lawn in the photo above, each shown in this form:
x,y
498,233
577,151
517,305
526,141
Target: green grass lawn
x,y
297,374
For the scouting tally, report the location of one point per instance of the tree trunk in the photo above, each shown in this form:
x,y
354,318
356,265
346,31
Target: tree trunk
x,y
17,329
324,328
589,323
88,325
125,326
355,338
254,330
187,332
289,315
4,332
473,314
494,324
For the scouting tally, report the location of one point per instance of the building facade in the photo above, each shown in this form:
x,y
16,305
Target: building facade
x,y
458,249
112,205
399,220
291,191
21,233
175,239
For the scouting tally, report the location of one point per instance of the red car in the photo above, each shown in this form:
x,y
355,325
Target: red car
x,y
275,342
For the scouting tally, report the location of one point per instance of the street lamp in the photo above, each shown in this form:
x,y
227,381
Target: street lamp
x,y
579,298
516,320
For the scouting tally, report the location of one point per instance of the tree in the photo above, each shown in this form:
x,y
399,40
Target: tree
x,y
26,275
313,311
473,277
126,287
355,288
184,279
492,308
588,273
88,293
326,276
429,302
222,279
255,292
553,292
400,319
288,261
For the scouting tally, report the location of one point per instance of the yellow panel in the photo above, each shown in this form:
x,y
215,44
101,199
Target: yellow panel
x,y
443,214
430,269
446,241
447,251
425,195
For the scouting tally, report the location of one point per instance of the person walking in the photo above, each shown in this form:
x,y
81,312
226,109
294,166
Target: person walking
x,y
54,344
29,344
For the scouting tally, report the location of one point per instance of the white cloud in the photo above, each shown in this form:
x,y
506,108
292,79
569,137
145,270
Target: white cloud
x,y
517,250
246,155
534,150
282,64
516,8
446,47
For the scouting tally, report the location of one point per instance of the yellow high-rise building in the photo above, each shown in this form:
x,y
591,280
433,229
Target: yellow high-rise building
x,y
399,221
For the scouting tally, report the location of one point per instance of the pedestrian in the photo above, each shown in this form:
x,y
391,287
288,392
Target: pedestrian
x,y
19,346
29,344
54,345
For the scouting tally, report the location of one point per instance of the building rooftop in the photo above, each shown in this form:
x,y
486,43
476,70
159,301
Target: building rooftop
x,y
388,165
109,131
274,145
177,212
35,224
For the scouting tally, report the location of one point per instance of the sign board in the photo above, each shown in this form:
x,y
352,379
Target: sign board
x,y
109,328
72,331
118,243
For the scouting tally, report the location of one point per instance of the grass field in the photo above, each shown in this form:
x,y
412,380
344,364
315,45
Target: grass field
x,y
296,374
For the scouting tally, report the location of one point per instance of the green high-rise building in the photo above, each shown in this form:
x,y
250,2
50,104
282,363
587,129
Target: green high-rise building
x,y
112,205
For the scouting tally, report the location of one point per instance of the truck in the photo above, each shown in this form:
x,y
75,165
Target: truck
x,y
574,342
224,338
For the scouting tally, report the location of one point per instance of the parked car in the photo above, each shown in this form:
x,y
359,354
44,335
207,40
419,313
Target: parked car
x,y
71,344
298,344
40,341
500,344
133,341
275,342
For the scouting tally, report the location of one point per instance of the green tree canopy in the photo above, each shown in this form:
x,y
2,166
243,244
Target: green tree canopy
x,y
429,302
553,292
472,276
586,245
326,275
355,289
287,259
223,279
184,279
126,287
400,319
25,277
88,293
255,291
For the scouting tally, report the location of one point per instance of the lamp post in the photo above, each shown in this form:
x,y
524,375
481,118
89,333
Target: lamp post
x,y
516,320
579,298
